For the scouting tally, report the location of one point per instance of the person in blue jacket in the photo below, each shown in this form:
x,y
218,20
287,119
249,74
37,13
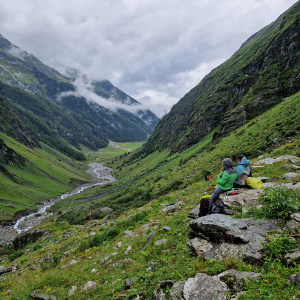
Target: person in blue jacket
x,y
243,171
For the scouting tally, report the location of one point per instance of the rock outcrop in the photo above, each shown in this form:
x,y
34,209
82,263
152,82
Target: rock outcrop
x,y
219,236
26,238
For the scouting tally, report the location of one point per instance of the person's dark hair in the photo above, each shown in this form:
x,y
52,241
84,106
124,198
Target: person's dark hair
x,y
240,156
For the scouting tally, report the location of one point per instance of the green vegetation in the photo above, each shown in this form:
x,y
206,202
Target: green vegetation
x,y
45,174
277,203
139,238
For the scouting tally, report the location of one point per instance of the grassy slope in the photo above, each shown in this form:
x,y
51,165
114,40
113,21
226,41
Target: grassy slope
x,y
44,175
171,260
159,173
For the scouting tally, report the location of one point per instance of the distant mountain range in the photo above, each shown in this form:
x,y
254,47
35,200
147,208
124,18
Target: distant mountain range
x,y
48,104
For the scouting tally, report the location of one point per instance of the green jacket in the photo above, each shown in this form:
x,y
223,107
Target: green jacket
x,y
228,177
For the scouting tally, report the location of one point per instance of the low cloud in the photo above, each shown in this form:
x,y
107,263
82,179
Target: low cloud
x,y
155,51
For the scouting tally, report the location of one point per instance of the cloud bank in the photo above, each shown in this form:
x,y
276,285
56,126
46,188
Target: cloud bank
x,y
155,51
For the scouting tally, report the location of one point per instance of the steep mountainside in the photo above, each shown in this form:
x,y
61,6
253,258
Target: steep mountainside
x,y
14,125
107,90
263,72
30,84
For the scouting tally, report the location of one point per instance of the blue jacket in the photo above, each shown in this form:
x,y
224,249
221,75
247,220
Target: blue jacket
x,y
243,166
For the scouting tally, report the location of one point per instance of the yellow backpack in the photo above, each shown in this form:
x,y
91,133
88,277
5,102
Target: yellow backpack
x,y
254,183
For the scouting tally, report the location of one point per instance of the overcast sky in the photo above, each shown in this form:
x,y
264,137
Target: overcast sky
x,y
154,50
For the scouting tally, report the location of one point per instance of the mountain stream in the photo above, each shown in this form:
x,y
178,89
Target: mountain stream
x,y
101,176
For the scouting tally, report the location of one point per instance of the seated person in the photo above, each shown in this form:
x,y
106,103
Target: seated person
x,y
243,171
225,181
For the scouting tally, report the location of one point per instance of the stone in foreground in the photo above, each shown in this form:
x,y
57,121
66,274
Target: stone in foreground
x,y
36,295
204,287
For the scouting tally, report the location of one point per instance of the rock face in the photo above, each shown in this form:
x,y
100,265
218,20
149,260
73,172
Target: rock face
x,y
225,235
26,238
232,121
204,287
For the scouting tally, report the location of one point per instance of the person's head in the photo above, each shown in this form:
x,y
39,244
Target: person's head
x,y
239,157
227,163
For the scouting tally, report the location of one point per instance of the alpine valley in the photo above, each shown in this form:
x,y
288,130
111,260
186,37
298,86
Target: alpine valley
x,y
128,228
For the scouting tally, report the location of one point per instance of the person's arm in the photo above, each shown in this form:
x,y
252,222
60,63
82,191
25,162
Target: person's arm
x,y
223,178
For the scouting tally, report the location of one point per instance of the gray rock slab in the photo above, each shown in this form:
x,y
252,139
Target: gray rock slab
x,y
271,161
4,270
130,281
194,213
128,250
242,277
176,292
204,287
236,296
70,263
72,290
295,279
160,242
171,208
245,197
105,210
89,285
291,175
37,295
292,256
223,250
295,161
290,167
123,262
296,217
200,247
292,186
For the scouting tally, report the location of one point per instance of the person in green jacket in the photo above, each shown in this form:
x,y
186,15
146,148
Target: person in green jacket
x,y
225,181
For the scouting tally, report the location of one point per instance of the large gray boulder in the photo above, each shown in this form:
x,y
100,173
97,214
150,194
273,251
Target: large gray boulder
x,y
244,197
243,237
204,287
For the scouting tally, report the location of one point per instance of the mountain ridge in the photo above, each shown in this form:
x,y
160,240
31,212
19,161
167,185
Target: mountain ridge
x,y
259,75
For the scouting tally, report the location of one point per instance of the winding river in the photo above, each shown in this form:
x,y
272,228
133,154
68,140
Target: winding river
x,y
101,176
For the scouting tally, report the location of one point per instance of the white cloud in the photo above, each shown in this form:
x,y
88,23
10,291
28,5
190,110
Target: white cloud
x,y
154,50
